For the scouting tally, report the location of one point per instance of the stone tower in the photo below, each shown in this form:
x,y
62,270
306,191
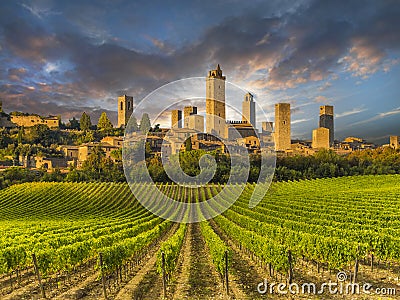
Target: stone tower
x,y
125,109
176,118
188,111
215,102
320,138
249,110
394,142
326,121
282,126
267,127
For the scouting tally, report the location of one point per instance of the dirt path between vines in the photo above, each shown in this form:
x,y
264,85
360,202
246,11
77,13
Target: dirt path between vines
x,y
146,283
204,282
180,286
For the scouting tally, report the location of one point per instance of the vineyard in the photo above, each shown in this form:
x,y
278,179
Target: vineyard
x,y
96,241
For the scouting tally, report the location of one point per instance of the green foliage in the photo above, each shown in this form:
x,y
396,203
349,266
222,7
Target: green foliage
x,y
73,124
15,175
145,124
98,167
216,247
68,227
5,138
85,122
133,123
188,144
104,123
171,249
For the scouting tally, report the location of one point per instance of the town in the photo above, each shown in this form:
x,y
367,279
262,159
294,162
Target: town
x,y
45,143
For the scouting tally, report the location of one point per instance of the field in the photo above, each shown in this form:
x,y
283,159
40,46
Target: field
x,y
87,240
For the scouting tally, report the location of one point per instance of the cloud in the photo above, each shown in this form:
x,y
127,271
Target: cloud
x,y
300,121
321,99
351,112
290,46
39,12
379,116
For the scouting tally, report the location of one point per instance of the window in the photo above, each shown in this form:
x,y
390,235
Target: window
x,y
122,105
284,122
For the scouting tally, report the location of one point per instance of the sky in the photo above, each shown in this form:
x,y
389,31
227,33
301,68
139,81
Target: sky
x,y
66,57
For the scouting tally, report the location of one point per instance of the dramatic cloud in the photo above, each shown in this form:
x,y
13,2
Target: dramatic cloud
x,y
83,55
351,112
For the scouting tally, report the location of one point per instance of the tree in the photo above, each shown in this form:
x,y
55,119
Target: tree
x,y
188,144
133,123
73,124
92,165
145,123
85,122
41,134
5,139
104,123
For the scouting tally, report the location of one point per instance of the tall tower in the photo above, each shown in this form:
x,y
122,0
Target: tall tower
x,y
394,142
326,121
176,118
188,111
249,110
215,102
125,109
282,126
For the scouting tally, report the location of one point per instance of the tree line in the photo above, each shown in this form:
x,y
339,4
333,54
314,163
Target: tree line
x,y
325,163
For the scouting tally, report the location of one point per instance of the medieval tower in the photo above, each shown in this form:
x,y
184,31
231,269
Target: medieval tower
x,y
249,110
326,121
125,109
215,102
187,112
176,118
282,126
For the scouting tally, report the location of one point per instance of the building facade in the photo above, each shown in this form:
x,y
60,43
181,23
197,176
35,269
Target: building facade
x,y
282,127
195,122
394,142
32,120
320,138
176,118
187,112
249,110
215,102
326,121
125,109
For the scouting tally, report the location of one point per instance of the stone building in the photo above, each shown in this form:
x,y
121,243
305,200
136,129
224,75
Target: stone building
x,y
249,110
215,102
50,163
282,127
267,127
187,112
113,141
32,120
176,118
320,138
195,122
326,121
86,149
125,109
394,142
239,129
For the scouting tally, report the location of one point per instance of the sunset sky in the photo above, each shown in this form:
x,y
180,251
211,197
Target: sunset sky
x,y
66,57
